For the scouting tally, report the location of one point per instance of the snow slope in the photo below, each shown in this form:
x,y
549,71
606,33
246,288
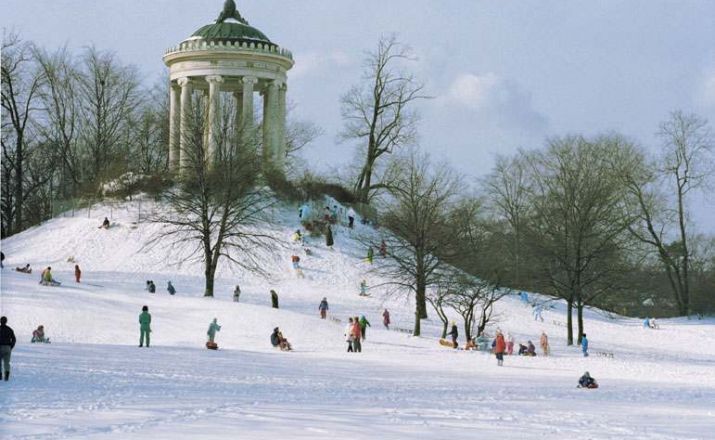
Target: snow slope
x,y
93,382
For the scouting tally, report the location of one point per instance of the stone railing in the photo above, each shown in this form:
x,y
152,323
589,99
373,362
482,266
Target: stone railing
x,y
188,46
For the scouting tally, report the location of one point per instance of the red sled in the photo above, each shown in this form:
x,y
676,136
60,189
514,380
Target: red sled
x,y
212,345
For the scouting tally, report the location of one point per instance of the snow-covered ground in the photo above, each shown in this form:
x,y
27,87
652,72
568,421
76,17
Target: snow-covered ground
x,y
94,382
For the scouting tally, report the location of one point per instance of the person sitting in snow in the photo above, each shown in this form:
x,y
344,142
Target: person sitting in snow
x,y
46,278
105,223
522,349
213,328
25,269
38,336
150,286
277,340
170,288
586,381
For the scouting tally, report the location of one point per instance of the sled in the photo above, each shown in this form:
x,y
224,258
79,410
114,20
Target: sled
x,y
446,343
211,345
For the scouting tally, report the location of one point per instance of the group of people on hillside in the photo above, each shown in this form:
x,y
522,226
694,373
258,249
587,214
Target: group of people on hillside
x,y
355,333
151,287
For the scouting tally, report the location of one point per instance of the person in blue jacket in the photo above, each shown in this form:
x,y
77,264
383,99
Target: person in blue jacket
x,y
584,345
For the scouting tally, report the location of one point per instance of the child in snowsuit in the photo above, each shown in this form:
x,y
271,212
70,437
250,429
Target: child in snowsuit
x,y
544,342
349,334
586,381
499,348
323,308
363,288
364,323
386,319
584,345
144,326
213,328
170,288
38,336
77,272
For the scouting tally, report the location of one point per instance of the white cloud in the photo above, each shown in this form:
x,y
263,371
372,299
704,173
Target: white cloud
x,y
309,63
495,100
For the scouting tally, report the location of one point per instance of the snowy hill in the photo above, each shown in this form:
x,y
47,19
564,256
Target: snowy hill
x,y
93,381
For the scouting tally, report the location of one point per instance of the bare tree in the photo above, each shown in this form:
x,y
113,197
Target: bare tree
x,y
378,113
417,214
109,93
60,124
20,85
578,218
439,300
474,300
215,207
685,166
506,191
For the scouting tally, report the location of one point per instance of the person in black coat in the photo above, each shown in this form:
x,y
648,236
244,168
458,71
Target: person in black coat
x,y
7,343
454,333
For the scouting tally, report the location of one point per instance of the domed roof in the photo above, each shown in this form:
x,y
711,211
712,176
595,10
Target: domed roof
x,y
230,31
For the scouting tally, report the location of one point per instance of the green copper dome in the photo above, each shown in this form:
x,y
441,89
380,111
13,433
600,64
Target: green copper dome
x,y
228,32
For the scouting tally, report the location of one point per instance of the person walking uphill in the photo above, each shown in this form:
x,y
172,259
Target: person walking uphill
x,y
364,323
7,343
499,348
77,272
144,326
323,308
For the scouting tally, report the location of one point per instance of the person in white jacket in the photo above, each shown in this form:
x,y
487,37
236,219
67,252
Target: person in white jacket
x,y
349,335
351,217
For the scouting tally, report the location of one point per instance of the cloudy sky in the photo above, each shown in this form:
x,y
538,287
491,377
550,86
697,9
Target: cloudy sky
x,y
504,74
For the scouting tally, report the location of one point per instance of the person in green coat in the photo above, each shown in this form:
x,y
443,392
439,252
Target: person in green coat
x,y
329,238
370,254
364,323
144,326
213,328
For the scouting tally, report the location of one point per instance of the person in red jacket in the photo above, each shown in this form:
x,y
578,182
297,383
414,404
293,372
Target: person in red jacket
x,y
77,272
357,334
499,348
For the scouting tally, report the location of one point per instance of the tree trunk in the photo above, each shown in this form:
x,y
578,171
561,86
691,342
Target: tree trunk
x,y
579,318
18,183
417,329
569,322
210,274
421,300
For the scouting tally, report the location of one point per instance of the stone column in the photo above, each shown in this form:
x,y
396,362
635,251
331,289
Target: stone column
x,y
185,120
270,120
214,116
280,152
238,98
174,126
246,126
